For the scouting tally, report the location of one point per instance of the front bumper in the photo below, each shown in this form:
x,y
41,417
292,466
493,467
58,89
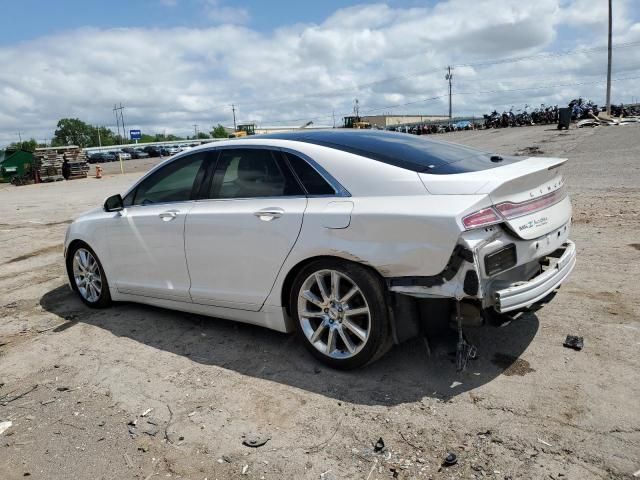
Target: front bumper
x,y
525,294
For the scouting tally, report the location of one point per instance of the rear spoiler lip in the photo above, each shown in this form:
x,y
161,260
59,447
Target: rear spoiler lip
x,y
485,181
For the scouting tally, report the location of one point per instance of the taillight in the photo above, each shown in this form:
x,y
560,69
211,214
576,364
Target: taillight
x,y
481,218
511,210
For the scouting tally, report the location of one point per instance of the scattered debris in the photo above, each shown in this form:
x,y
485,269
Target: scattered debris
x,y
47,402
574,342
379,446
450,459
530,151
255,440
637,474
4,426
544,443
455,384
323,474
128,460
150,429
146,412
245,469
143,447
63,389
6,400
511,365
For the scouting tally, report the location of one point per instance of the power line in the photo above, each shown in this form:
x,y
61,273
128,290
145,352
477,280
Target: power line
x,y
424,100
545,55
435,71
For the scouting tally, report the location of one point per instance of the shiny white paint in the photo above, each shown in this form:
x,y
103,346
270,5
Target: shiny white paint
x,y
216,257
234,255
146,250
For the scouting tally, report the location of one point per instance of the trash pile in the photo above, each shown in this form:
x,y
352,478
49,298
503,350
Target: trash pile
x,y
602,119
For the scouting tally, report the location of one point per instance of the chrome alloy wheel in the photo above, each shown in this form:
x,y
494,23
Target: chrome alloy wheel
x,y
86,274
334,314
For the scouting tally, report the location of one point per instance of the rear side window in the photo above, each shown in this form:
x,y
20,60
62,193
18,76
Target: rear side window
x,y
312,181
171,183
252,173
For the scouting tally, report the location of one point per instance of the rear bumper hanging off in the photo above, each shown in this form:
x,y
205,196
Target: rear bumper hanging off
x,y
525,294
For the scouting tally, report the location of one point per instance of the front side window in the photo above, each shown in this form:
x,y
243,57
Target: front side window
x,y
172,183
252,173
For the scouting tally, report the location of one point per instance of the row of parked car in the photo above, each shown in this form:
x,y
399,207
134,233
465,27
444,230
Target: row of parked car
x,y
128,153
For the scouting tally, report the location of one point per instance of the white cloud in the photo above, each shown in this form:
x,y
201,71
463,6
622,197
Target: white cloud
x,y
172,78
219,13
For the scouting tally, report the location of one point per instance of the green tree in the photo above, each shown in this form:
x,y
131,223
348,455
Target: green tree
x,y
219,132
202,136
28,145
106,137
72,131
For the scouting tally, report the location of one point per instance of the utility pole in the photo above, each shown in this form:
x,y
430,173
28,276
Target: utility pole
x,y
334,118
115,111
356,109
20,137
195,130
449,77
609,62
124,130
233,107
99,139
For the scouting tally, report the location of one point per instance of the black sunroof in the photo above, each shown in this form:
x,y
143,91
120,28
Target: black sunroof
x,y
412,152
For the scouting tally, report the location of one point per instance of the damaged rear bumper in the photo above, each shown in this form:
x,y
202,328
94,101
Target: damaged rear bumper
x,y
498,270
525,294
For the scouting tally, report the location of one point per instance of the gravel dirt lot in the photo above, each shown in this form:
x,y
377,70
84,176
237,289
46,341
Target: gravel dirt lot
x,y
139,392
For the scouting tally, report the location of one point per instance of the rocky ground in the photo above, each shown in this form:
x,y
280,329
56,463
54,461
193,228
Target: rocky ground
x,y
139,392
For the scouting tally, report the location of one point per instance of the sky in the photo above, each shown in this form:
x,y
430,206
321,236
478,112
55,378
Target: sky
x,y
174,64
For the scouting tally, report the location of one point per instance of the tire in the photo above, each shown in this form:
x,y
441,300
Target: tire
x,y
335,336
83,264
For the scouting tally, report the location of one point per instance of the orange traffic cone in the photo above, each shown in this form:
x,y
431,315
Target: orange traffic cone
x,y
98,171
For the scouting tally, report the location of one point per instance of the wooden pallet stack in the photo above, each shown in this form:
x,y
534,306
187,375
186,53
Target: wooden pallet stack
x,y
48,165
79,165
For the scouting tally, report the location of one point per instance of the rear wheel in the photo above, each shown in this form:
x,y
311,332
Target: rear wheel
x,y
87,277
340,312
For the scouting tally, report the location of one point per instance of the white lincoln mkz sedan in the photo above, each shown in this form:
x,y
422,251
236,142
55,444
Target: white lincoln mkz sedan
x,y
337,234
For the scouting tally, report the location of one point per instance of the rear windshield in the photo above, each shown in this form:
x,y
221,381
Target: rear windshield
x,y
412,152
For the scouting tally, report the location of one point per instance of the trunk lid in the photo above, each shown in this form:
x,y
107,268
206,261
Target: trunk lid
x,y
530,193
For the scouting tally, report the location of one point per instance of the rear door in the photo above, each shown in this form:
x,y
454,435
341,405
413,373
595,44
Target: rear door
x,y
238,238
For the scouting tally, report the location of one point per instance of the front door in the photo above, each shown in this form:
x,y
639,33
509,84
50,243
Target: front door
x,y
238,239
146,240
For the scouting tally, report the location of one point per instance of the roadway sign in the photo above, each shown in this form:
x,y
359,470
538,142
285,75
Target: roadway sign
x,y
135,134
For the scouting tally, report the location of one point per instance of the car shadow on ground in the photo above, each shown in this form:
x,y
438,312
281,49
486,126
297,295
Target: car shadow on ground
x,y
408,373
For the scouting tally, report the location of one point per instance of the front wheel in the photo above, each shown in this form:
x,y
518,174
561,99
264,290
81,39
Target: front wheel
x,y
87,277
340,313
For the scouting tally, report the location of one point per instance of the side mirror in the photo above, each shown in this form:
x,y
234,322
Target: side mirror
x,y
113,203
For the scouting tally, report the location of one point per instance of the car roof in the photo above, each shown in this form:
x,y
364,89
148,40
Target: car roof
x,y
412,152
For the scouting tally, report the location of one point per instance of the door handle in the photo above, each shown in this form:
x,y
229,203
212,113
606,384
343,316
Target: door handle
x,y
168,216
269,214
